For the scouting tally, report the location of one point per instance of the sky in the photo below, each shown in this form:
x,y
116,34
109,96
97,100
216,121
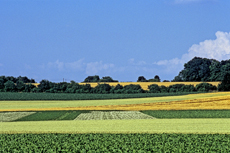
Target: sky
x,y
123,39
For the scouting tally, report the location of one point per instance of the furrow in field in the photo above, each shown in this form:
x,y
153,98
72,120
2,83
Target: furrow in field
x,y
113,115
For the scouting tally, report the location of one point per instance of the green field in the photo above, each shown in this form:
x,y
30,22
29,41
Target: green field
x,y
169,131
71,115
17,105
70,96
97,143
120,126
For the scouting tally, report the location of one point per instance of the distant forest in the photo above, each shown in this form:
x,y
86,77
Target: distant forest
x,y
196,70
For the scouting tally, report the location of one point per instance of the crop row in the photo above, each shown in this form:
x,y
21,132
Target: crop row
x,y
99,115
110,115
114,143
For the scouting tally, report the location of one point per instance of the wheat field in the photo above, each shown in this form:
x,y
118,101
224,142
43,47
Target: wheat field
x,y
144,85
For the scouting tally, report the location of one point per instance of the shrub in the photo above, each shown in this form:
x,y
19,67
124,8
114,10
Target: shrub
x,y
204,87
154,88
102,88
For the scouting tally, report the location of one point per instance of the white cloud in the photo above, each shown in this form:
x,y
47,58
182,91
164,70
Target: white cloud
x,y
218,49
76,65
93,68
139,63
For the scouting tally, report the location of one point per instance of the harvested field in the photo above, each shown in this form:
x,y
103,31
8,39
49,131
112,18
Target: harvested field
x,y
113,115
220,102
144,85
11,116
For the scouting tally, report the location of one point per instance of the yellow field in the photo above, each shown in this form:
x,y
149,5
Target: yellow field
x,y
144,85
218,100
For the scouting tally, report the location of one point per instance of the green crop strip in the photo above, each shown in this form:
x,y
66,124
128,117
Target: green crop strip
x,y
188,113
161,114
52,115
68,96
114,143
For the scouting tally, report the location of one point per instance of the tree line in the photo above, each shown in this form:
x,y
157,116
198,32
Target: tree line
x,y
103,88
198,69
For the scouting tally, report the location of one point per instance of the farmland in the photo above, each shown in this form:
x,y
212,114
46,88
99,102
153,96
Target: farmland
x,y
124,104
183,123
144,85
115,143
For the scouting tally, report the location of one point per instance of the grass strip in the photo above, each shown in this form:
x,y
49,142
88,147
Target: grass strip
x,y
202,126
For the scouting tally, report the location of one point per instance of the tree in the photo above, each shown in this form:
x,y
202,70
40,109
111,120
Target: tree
x,y
141,79
205,87
102,88
10,86
45,85
20,86
196,69
107,79
155,79
154,88
92,79
177,79
29,87
225,84
1,84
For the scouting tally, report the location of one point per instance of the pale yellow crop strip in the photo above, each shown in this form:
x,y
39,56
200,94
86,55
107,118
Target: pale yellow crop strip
x,y
220,102
120,126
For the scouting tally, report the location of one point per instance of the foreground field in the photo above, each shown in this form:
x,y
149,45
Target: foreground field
x,y
219,100
120,126
115,143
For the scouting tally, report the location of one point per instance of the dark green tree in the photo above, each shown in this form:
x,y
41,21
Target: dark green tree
x,y
10,86
107,79
92,79
102,88
196,69
154,88
142,79
45,85
205,87
29,87
225,84
20,86
1,85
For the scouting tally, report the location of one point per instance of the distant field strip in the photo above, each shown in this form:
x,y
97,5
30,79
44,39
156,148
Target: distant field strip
x,y
113,115
219,100
120,126
11,116
144,85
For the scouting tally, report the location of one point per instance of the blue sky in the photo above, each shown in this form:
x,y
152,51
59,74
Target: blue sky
x,y
124,39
